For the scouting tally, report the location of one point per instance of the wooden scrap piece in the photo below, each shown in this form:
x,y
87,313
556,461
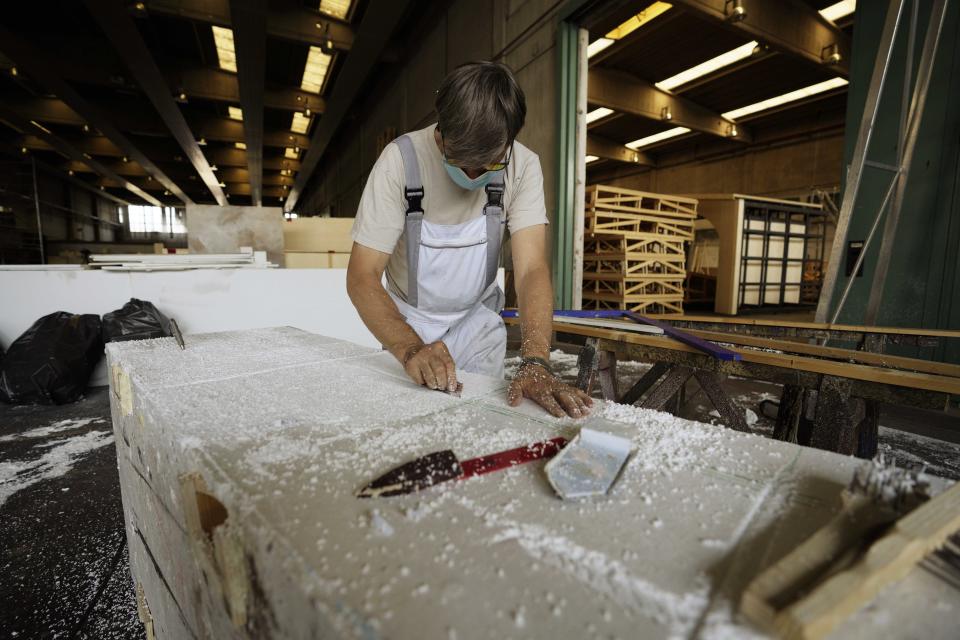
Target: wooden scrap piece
x,y
817,586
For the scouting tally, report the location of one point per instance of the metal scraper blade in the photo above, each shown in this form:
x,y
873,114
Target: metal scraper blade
x,y
421,473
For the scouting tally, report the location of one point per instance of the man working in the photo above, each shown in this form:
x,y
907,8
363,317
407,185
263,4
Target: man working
x,y
432,215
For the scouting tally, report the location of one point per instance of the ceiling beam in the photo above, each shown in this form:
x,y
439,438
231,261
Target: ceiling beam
x,y
791,26
379,21
229,130
622,92
228,157
222,86
243,189
63,175
299,25
90,145
116,22
61,146
132,115
42,68
610,150
249,18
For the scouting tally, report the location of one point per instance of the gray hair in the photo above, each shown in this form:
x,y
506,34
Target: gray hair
x,y
480,111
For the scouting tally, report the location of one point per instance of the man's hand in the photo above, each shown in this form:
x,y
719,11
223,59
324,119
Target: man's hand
x,y
558,398
432,366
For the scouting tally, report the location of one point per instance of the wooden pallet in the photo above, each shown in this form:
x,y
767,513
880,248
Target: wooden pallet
x,y
634,254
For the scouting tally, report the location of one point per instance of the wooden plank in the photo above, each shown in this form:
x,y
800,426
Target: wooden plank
x,y
824,326
817,611
609,323
909,379
835,353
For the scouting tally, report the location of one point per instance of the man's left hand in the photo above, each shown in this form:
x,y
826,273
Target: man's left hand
x,y
558,398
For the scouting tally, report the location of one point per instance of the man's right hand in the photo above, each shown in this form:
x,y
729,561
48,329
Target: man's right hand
x,y
432,366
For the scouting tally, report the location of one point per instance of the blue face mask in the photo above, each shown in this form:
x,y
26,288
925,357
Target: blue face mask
x,y
463,180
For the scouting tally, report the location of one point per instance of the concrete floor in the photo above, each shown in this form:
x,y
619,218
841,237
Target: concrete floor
x,y
63,557
63,551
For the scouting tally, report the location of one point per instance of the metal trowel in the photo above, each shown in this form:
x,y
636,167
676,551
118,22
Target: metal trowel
x,y
589,465
442,466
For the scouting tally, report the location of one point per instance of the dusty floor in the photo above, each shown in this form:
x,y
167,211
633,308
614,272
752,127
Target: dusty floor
x,y
63,560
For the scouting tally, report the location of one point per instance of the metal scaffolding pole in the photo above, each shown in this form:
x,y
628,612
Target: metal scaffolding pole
x,y
880,68
918,101
36,205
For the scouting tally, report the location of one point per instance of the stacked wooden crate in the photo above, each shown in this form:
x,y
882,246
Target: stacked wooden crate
x,y
634,254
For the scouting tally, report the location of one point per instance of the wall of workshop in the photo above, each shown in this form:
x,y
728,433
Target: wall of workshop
x,y
520,33
923,284
793,168
67,211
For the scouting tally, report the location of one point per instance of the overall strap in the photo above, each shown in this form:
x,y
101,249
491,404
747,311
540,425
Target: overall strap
x,y
413,192
493,211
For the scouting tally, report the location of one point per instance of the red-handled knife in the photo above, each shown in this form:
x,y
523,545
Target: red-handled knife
x,y
442,466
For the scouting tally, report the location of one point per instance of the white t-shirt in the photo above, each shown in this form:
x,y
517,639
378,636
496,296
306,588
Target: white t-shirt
x,y
382,212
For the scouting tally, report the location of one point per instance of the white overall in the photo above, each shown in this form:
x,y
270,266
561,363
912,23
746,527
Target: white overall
x,y
452,292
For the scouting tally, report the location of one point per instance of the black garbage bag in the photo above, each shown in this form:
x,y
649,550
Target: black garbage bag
x,y
136,320
52,361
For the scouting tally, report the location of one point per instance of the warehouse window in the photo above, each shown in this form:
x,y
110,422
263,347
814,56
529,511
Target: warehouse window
x,y
144,219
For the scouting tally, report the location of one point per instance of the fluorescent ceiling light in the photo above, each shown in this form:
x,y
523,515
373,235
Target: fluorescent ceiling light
x,y
598,45
240,145
590,159
596,114
40,126
627,27
634,22
291,153
657,137
833,13
223,40
799,94
335,8
300,123
315,70
711,65
840,10
235,113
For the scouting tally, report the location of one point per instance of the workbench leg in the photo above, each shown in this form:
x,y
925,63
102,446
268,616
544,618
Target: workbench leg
x,y
789,414
587,363
868,431
644,383
607,374
731,414
676,377
677,402
835,421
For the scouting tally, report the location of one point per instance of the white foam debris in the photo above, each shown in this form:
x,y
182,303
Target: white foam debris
x,y
519,616
17,475
605,575
379,524
749,415
55,427
882,481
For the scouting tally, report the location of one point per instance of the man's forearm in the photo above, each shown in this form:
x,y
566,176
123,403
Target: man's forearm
x,y
381,316
535,295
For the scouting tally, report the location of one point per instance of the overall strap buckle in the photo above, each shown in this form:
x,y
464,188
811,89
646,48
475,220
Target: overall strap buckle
x,y
494,195
414,200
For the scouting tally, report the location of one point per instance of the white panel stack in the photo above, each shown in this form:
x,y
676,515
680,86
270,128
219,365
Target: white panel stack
x,y
240,456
